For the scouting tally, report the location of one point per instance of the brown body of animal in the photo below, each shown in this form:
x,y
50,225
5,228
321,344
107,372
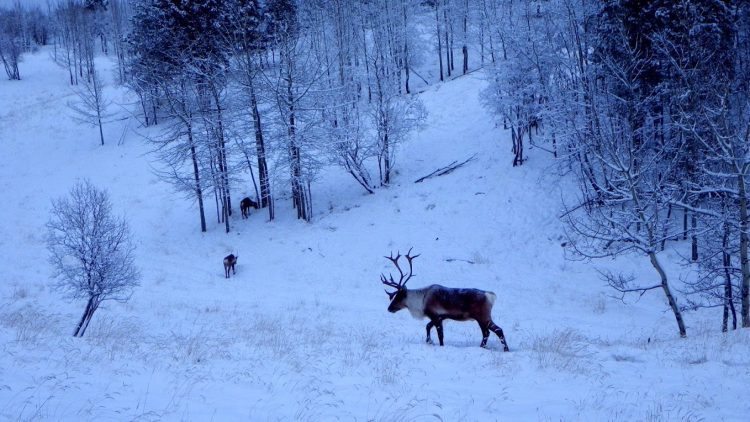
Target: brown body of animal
x,y
229,262
439,303
245,206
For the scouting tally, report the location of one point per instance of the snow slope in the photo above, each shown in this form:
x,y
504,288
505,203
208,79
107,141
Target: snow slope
x,y
302,332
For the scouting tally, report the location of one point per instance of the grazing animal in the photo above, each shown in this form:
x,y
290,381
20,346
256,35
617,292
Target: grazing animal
x,y
245,206
439,303
229,263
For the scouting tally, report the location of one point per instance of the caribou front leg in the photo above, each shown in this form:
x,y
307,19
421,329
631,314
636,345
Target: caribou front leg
x,y
437,322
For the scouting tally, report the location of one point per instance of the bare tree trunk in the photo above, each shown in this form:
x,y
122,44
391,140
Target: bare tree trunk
x,y
298,190
448,62
367,62
465,48
694,240
666,227
439,39
668,293
144,107
406,52
91,307
197,179
99,103
728,294
88,319
684,224
226,198
265,186
386,161
99,121
154,110
744,246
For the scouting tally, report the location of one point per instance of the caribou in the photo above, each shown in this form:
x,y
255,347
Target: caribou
x,y
245,206
229,263
439,303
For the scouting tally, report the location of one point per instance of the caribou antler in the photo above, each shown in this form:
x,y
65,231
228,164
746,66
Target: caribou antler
x,y
403,277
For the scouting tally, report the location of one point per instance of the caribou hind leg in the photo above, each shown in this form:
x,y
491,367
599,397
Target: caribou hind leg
x,y
485,333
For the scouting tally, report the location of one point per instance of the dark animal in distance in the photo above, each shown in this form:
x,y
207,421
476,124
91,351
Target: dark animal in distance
x,y
245,206
229,262
439,303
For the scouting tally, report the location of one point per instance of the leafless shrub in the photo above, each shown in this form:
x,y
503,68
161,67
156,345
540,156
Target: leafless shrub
x,y
116,339
562,350
29,323
19,293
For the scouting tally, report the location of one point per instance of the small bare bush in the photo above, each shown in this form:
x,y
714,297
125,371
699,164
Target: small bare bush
x,y
388,372
197,347
600,304
116,338
408,409
478,258
563,350
271,333
19,293
29,324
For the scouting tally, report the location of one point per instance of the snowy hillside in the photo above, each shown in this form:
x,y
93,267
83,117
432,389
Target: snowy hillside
x,y
302,332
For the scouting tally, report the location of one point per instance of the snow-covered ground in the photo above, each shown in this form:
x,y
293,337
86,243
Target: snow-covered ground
x,y
302,332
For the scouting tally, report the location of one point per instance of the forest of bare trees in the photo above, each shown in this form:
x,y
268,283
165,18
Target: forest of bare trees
x,y
644,104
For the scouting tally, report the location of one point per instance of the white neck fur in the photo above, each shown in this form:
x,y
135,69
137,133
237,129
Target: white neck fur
x,y
415,303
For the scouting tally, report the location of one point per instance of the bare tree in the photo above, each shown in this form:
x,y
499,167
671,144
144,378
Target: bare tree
x,y
178,65
339,48
11,33
75,35
91,107
247,45
120,13
625,220
520,82
91,250
628,213
178,145
393,114
293,88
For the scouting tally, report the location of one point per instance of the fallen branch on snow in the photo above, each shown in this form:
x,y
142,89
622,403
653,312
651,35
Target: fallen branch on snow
x,y
468,261
445,170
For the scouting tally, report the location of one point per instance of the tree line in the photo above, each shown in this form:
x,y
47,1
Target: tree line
x,y
646,103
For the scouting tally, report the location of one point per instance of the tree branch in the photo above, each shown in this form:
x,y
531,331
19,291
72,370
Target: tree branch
x,y
445,170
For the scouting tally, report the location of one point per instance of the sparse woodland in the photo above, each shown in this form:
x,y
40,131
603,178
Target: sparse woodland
x,y
646,105
641,107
